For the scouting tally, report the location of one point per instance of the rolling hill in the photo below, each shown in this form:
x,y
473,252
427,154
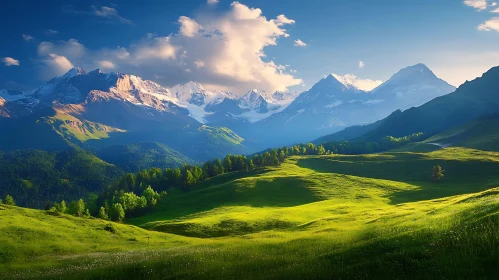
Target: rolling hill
x,y
366,216
143,155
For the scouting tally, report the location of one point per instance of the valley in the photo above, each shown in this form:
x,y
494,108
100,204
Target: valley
x,y
328,216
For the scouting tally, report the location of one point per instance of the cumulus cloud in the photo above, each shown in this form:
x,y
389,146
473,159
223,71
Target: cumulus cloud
x,y
57,64
211,2
361,64
9,61
477,4
362,84
110,13
495,11
493,4
188,27
27,37
71,48
106,64
490,25
282,20
225,51
300,43
156,48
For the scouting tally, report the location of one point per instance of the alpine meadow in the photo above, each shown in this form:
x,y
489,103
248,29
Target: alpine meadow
x,y
215,139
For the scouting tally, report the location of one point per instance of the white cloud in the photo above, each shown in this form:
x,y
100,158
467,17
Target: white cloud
x,y
489,25
27,37
106,64
71,48
51,32
57,64
226,53
111,14
282,20
300,43
362,84
156,48
361,64
213,1
493,4
199,63
9,61
477,4
188,27
495,11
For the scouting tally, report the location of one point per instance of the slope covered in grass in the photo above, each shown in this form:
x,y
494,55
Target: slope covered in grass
x,y
143,155
350,217
482,134
310,187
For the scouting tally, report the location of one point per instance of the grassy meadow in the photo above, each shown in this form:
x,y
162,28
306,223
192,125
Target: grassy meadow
x,y
314,217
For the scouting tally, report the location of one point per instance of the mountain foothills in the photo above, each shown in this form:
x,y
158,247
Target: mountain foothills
x,y
95,110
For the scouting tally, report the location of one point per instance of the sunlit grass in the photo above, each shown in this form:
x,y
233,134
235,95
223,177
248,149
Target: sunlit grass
x,y
369,216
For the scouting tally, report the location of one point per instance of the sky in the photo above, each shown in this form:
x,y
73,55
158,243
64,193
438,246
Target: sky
x,y
254,44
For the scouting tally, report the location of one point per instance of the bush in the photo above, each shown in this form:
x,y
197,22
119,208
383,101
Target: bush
x,y
110,228
9,200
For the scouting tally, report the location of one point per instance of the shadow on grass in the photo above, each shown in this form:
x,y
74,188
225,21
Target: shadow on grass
x,y
231,190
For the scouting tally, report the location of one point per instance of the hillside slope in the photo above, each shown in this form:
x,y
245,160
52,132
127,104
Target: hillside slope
x,y
143,155
314,216
35,177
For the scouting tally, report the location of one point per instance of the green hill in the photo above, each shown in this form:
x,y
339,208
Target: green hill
x,y
482,134
36,177
143,155
350,217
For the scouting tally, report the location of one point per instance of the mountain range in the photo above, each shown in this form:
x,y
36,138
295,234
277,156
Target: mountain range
x,y
471,101
96,110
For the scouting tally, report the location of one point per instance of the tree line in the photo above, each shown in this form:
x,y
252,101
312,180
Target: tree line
x,y
368,147
135,193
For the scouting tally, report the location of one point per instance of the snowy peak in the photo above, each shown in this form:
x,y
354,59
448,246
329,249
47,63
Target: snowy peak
x,y
347,81
73,72
418,73
185,91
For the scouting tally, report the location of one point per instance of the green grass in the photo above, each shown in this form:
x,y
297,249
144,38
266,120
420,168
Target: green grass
x,y
322,217
72,128
481,134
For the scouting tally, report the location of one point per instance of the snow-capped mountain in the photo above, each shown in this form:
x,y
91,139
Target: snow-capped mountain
x,y
126,101
411,87
113,108
218,107
333,104
77,86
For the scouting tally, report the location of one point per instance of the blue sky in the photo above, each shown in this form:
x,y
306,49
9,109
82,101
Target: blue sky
x,y
251,44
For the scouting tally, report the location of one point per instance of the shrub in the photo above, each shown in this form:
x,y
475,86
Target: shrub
x,y
110,228
9,200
